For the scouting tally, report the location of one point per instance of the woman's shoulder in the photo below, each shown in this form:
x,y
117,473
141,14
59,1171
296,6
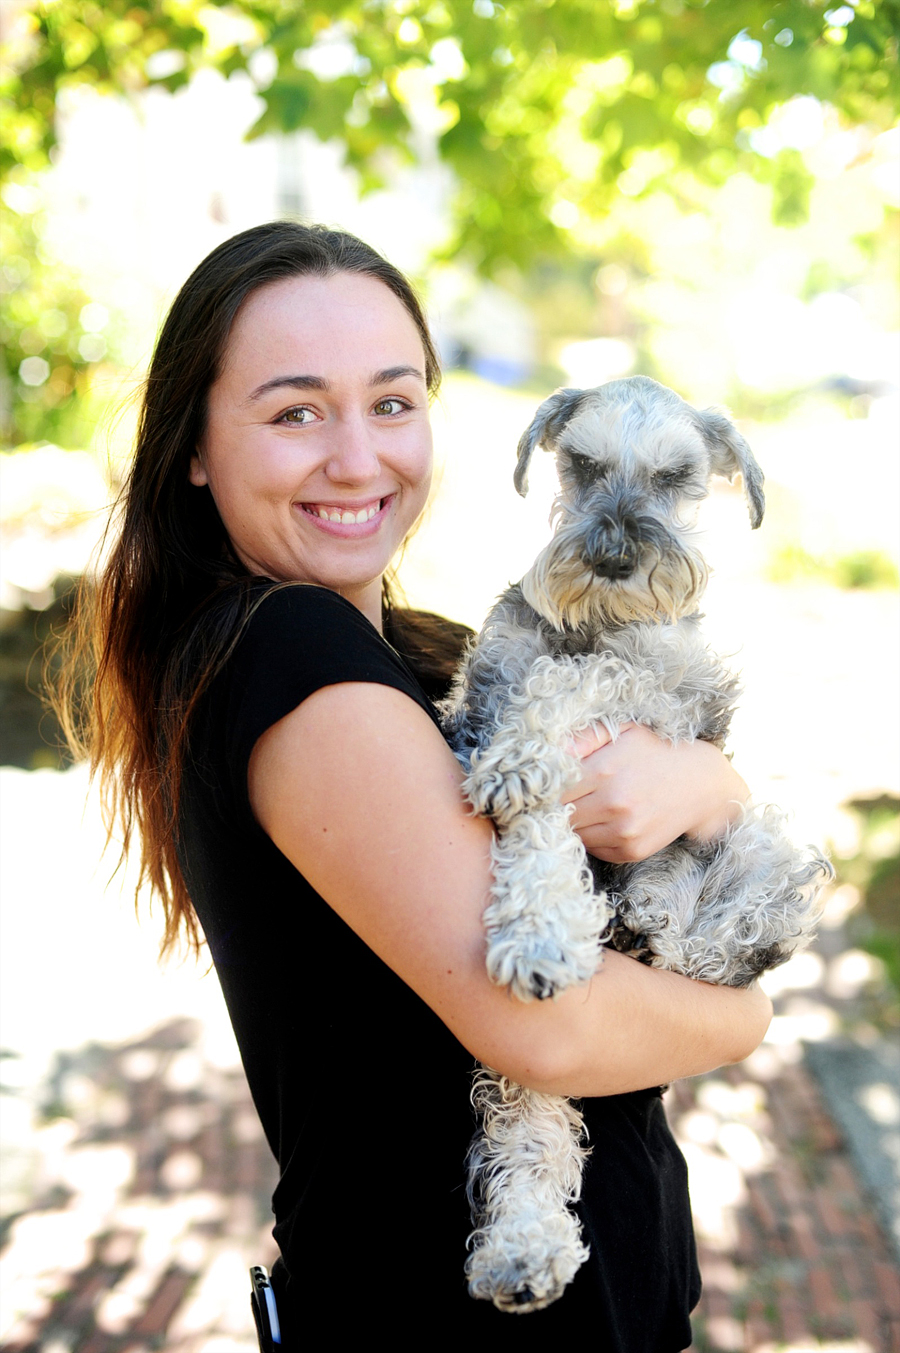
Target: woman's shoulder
x,y
287,642
297,637
304,626
280,610
290,640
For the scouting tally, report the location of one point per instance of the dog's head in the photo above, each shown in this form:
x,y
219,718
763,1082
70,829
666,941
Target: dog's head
x,y
634,460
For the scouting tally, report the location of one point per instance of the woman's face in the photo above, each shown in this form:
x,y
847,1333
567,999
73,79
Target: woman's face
x,y
317,449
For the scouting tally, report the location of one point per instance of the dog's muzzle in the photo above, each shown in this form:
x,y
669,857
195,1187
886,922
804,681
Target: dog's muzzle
x,y
616,539
613,551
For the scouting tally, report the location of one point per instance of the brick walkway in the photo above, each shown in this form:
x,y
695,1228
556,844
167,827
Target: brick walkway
x,y
152,1199
152,1202
790,1253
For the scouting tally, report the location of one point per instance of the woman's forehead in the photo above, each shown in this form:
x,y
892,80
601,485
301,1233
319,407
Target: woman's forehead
x,y
344,316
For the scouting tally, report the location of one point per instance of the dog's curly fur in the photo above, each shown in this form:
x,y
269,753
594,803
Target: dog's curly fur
x,y
603,630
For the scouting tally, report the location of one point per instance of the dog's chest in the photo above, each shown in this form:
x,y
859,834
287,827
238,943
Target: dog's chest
x,y
653,672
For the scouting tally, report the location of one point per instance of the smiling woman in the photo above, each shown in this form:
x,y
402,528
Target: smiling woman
x,y
265,726
325,490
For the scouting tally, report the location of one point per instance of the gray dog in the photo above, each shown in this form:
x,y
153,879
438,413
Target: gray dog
x,y
603,630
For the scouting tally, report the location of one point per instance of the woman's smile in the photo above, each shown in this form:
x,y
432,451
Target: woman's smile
x,y
345,519
317,448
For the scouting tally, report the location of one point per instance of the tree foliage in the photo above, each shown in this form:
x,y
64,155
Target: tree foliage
x,y
50,334
544,109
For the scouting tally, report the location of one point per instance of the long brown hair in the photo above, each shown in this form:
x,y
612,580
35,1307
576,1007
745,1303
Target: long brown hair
x,y
137,657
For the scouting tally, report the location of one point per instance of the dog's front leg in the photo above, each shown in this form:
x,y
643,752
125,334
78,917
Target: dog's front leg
x,y
528,762
525,1165
544,920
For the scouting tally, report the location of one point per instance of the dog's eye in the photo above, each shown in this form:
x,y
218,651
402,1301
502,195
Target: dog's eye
x,y
587,467
673,478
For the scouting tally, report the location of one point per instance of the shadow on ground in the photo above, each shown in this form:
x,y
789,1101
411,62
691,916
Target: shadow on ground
x,y
147,1183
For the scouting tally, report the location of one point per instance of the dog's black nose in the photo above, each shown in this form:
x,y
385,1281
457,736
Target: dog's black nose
x,y
612,550
615,564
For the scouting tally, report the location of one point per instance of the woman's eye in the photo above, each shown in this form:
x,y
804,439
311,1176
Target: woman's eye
x,y
297,416
389,406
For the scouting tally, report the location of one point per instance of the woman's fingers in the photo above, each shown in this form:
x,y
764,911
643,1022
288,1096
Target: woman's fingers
x,y
640,793
585,745
590,740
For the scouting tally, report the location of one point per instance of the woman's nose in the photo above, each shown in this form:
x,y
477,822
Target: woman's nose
x,y
352,458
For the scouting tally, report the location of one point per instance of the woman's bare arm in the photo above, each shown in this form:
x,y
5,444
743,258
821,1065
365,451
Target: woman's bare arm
x,y
358,789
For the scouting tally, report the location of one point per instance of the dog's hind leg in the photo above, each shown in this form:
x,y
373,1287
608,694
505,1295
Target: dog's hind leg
x,y
726,910
759,901
525,1167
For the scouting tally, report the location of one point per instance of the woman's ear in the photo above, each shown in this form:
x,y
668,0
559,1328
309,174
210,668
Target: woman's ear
x,y
197,473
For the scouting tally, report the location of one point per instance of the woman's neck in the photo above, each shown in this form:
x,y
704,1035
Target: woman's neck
x,y
367,599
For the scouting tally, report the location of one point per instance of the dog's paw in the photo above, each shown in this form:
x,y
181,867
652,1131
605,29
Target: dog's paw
x,y
502,793
529,1271
539,956
532,974
507,779
513,1288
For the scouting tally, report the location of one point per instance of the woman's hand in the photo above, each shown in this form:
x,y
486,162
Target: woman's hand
x,y
639,793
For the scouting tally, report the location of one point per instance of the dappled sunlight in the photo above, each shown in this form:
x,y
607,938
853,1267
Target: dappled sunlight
x,y
54,505
817,1346
143,1228
788,1250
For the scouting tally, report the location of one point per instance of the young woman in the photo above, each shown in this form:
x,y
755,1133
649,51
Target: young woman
x,y
275,749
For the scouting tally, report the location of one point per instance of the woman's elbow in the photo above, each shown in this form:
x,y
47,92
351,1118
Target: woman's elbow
x,y
549,1064
751,1028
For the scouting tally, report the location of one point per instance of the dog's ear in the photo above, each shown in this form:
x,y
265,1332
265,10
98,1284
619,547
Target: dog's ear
x,y
545,426
731,455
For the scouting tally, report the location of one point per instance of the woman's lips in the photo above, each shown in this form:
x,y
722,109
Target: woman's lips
x,y
348,519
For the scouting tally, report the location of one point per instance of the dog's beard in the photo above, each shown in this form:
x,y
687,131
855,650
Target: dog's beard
x,y
565,590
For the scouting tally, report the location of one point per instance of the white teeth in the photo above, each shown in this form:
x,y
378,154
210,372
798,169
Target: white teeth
x,y
346,516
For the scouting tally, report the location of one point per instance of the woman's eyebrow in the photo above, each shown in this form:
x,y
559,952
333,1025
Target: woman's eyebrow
x,y
390,373
393,373
292,383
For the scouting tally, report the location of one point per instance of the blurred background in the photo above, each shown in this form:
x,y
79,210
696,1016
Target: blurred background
x,y
704,191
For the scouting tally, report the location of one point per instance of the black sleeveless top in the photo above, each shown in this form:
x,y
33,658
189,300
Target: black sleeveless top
x,y
363,1093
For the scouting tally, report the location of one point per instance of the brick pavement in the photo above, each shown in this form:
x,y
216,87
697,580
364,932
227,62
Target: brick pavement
x,y
152,1198
792,1256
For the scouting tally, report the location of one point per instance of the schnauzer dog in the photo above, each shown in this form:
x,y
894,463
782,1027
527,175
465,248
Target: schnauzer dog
x,y
603,631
